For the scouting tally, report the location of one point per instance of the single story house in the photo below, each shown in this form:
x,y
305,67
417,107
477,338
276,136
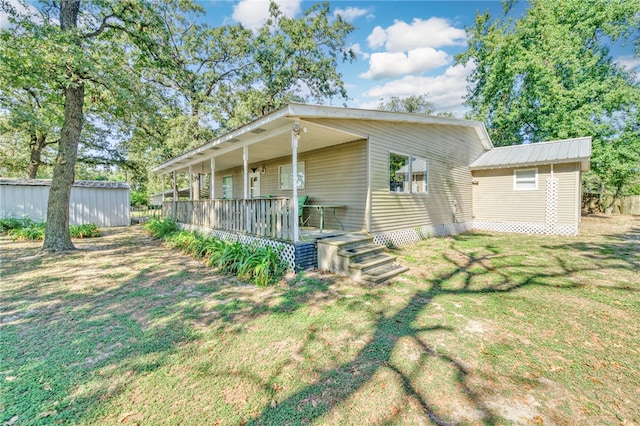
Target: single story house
x,y
102,203
395,176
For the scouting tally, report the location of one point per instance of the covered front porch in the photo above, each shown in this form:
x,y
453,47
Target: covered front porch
x,y
272,218
251,181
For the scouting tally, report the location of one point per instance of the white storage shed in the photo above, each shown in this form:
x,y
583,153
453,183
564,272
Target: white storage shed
x,y
102,203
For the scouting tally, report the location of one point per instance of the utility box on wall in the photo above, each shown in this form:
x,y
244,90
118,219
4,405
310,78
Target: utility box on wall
x,y
102,203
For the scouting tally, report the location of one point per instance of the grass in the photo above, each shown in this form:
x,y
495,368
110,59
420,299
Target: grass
x,y
485,329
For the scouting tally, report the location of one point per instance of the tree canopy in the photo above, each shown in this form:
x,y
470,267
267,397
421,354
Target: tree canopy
x,y
549,74
134,83
413,104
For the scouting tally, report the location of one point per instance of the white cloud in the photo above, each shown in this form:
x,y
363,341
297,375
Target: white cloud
x,y
433,32
350,13
628,61
377,37
416,61
253,13
631,63
22,9
446,91
358,51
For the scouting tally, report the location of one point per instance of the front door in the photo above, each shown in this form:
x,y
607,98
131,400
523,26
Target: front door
x,y
254,185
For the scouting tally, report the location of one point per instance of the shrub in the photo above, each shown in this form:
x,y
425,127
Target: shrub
x,y
9,223
139,198
88,230
161,228
262,265
259,265
31,232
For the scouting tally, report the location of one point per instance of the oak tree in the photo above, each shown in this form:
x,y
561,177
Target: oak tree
x,y
549,74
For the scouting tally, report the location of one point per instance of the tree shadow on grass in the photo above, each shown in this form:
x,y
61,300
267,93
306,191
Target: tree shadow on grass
x,y
74,335
337,385
69,351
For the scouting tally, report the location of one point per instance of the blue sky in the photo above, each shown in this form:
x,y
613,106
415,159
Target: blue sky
x,y
403,48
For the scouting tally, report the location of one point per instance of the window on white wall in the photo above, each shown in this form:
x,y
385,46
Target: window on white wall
x,y
408,174
525,179
227,187
285,176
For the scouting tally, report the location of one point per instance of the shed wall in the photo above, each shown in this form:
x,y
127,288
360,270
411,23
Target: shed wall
x,y
495,200
104,207
334,175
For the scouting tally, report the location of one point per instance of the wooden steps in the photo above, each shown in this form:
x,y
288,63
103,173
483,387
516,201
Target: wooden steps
x,y
356,255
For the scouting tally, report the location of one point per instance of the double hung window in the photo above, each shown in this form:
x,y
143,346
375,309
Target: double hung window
x,y
285,176
408,174
525,179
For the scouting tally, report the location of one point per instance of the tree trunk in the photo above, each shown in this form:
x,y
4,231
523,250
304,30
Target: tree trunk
x,y
57,236
37,144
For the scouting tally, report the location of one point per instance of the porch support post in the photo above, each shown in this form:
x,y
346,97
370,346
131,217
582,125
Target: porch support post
x,y
162,196
245,160
295,137
175,187
212,181
190,183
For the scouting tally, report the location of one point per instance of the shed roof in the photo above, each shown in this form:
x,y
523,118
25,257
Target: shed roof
x,y
79,183
552,152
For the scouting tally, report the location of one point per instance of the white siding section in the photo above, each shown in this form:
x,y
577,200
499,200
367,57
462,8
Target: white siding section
x,y
496,201
104,207
335,175
449,150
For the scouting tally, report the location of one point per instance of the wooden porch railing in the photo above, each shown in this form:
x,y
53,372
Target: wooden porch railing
x,y
262,217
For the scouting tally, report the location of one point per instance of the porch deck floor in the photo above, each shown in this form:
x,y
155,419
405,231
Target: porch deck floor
x,y
308,234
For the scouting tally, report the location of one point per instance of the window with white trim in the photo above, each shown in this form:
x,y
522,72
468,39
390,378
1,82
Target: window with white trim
x,y
285,176
408,174
227,187
525,179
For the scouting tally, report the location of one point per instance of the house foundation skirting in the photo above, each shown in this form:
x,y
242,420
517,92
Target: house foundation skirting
x,y
526,228
412,235
289,250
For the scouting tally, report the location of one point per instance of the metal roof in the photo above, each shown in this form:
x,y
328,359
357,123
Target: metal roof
x,y
78,183
560,151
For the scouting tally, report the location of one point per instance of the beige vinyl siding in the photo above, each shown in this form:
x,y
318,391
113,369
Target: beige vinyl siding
x,y
334,175
495,200
449,150
568,192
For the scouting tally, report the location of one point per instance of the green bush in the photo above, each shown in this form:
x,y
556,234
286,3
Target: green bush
x,y
30,232
88,230
9,223
259,265
161,228
139,198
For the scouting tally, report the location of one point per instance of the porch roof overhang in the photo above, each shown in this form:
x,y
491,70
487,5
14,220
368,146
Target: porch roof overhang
x,y
270,136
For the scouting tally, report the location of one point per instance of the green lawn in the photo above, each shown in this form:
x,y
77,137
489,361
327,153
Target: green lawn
x,y
485,328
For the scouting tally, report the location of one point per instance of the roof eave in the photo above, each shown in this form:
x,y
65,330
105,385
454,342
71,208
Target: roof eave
x,y
172,164
584,164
